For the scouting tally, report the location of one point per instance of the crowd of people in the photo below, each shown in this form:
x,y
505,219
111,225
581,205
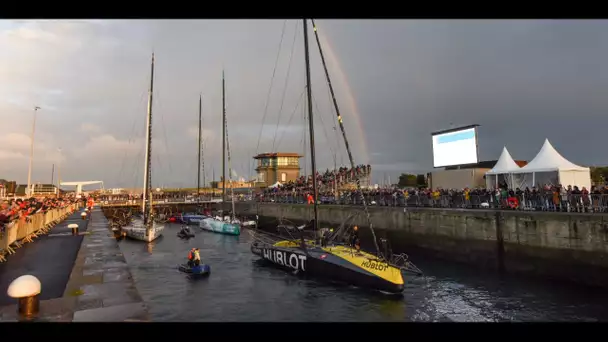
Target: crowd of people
x,y
12,210
327,181
548,198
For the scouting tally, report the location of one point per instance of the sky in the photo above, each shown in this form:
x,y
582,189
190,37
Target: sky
x,y
396,81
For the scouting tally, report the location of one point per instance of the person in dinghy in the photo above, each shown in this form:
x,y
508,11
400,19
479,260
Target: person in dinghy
x,y
194,257
185,233
191,257
197,257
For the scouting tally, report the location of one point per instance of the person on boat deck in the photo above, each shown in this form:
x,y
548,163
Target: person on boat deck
x,y
325,235
355,239
191,257
197,257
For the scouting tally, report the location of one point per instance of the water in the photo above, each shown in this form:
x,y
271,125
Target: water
x,y
243,288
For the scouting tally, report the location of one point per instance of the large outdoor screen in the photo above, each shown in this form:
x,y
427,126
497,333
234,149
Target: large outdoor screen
x,y
456,147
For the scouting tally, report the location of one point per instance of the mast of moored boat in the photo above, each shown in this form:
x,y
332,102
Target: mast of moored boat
x,y
198,169
311,129
229,166
223,139
147,163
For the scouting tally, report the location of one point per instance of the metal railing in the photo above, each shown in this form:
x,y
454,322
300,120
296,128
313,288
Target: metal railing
x,y
170,200
24,230
537,202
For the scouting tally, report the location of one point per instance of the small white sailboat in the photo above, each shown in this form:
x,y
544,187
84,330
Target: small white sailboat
x,y
145,228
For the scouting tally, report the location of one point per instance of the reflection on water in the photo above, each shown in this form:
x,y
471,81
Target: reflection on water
x,y
243,288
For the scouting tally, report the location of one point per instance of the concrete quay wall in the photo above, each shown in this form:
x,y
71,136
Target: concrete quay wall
x,y
568,246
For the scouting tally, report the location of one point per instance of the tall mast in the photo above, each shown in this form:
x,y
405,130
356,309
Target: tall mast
x,y
147,166
198,169
350,155
313,163
229,165
203,162
223,139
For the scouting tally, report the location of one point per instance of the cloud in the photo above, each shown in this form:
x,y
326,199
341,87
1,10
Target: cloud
x,y
396,80
90,128
207,135
15,154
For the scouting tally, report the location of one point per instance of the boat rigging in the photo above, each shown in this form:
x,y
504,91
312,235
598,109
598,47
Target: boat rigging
x,y
328,257
147,229
223,225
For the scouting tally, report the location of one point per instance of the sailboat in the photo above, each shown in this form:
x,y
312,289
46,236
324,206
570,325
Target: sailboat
x,y
228,225
328,257
146,228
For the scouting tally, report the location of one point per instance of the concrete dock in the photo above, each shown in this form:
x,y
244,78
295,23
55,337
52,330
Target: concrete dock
x,y
98,286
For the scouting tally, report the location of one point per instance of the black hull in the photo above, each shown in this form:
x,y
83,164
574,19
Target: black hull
x,y
185,236
319,264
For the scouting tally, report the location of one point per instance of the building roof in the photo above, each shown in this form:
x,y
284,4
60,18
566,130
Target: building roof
x,y
548,159
277,154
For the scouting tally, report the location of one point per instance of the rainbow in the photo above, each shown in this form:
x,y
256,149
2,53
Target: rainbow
x,y
351,103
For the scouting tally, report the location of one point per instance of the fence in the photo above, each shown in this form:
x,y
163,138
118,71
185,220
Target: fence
x,y
25,230
537,202
170,200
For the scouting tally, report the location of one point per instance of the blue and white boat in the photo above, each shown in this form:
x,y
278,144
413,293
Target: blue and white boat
x,y
192,218
220,226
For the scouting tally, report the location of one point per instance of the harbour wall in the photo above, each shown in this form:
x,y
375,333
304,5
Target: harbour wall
x,y
565,246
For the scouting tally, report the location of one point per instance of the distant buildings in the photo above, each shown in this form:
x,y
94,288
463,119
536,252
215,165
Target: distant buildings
x,y
236,184
12,189
7,188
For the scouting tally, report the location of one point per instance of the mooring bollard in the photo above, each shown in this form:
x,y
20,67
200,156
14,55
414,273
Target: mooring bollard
x,y
84,216
26,289
74,228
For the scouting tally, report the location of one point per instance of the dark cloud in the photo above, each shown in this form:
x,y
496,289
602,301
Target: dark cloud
x,y
522,81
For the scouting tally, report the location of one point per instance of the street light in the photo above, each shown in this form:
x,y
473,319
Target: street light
x,y
29,172
59,173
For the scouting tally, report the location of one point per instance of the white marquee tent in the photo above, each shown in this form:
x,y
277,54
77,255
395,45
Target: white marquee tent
x,y
549,167
502,172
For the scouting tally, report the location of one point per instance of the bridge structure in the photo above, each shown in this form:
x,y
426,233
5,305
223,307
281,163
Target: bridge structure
x,y
79,185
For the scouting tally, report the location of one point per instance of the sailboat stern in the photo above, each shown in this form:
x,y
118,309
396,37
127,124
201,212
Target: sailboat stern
x,y
138,231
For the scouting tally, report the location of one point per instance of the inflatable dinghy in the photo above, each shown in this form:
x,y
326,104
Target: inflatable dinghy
x,y
185,234
200,270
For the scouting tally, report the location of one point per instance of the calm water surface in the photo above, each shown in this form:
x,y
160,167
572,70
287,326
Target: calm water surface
x,y
243,288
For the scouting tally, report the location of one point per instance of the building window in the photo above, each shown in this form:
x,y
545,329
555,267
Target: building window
x,y
260,177
283,177
287,161
278,161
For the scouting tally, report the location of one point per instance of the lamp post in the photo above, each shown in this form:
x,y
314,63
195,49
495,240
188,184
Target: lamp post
x,y
59,173
29,172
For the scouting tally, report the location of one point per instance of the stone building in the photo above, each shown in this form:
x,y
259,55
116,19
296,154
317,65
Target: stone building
x,y
277,167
